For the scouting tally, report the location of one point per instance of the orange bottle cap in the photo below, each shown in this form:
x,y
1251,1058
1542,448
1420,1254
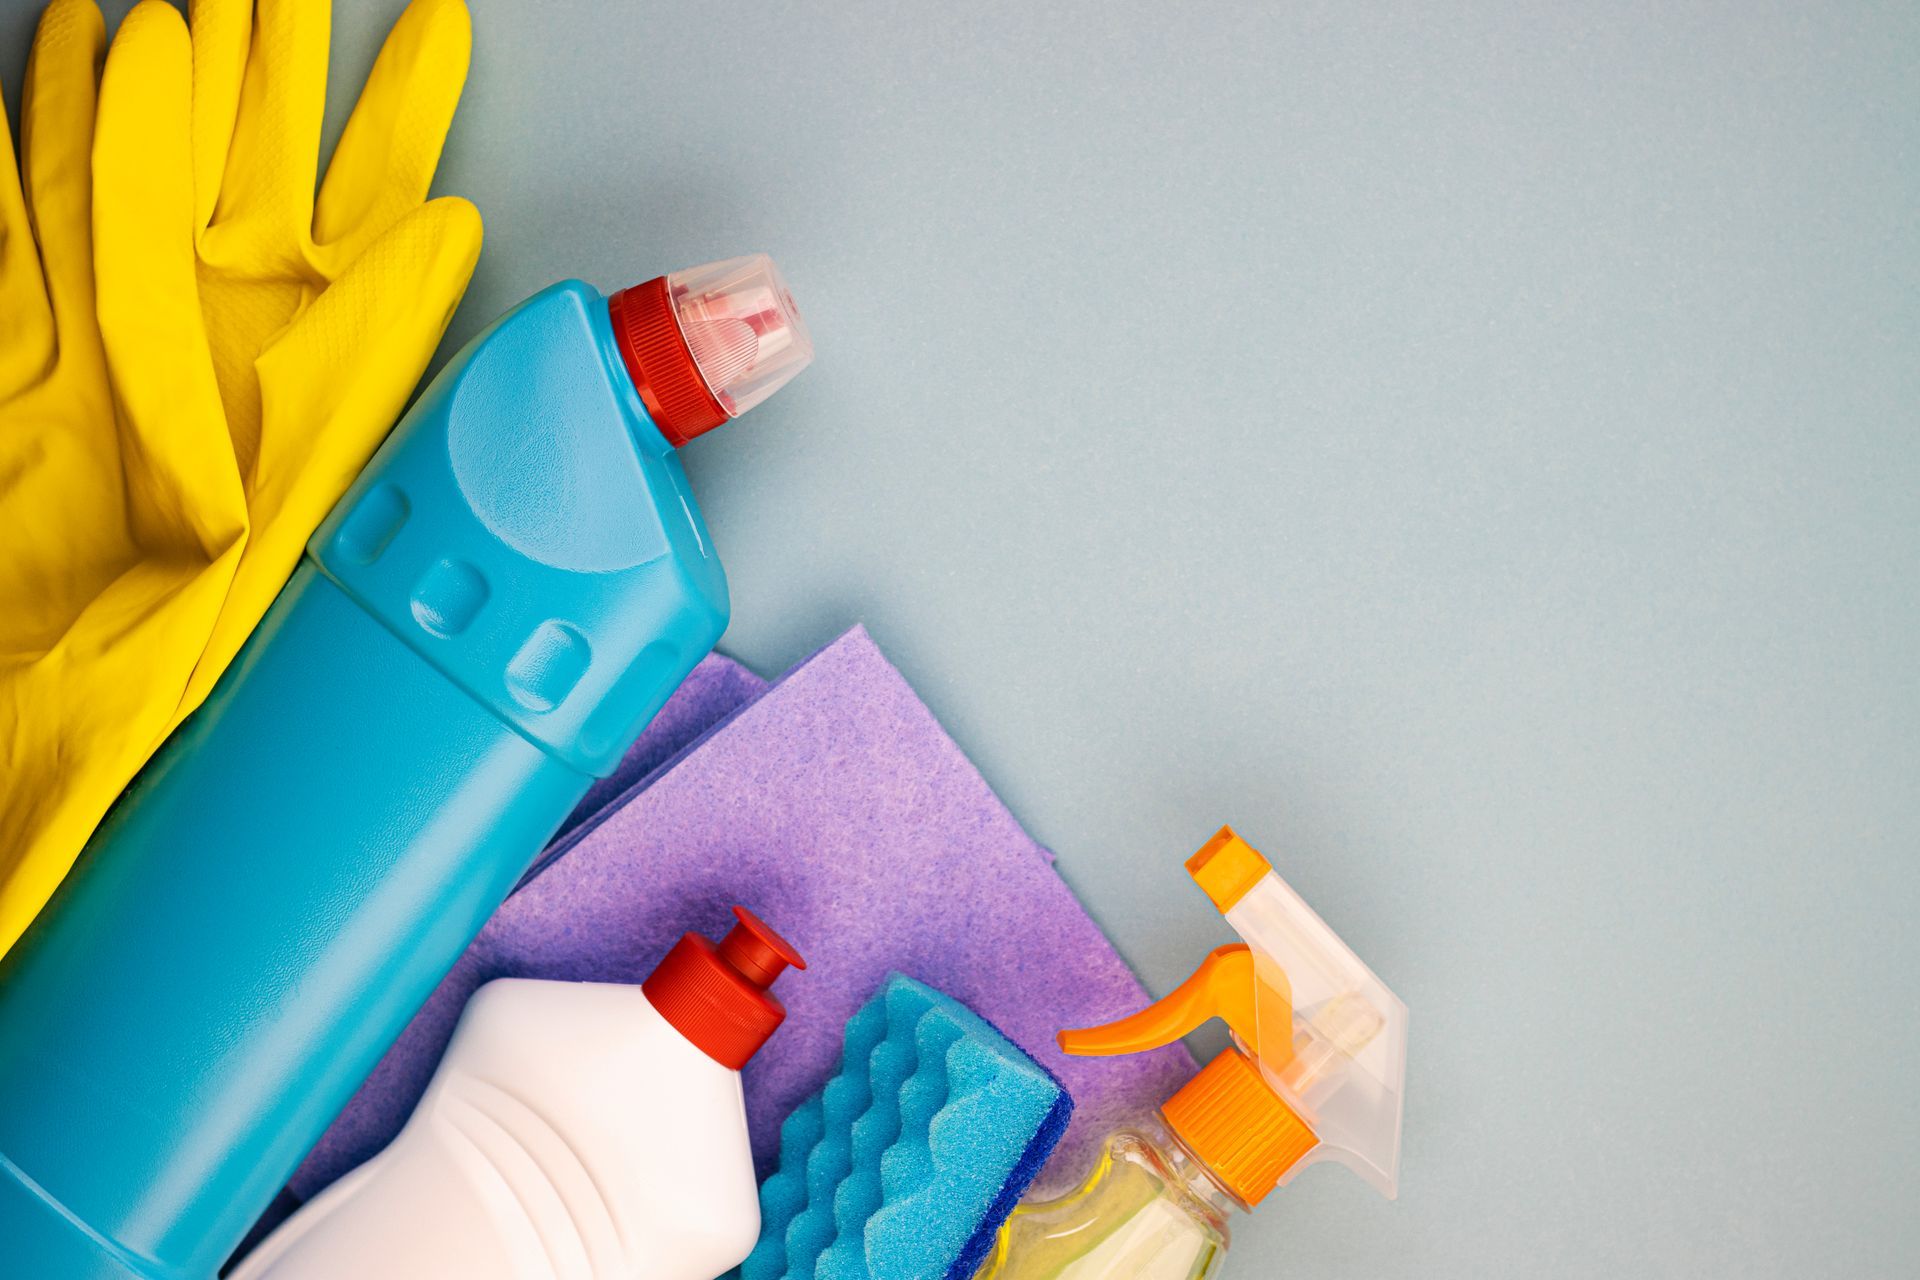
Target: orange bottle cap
x,y
1242,1130
1228,1114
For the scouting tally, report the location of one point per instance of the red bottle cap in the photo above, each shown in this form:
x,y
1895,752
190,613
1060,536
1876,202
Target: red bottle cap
x,y
707,344
717,996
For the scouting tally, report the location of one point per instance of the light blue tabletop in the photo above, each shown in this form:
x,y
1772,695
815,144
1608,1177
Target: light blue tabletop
x,y
1476,453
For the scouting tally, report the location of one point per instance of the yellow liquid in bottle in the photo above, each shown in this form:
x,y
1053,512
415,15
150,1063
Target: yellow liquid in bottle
x,y
1138,1216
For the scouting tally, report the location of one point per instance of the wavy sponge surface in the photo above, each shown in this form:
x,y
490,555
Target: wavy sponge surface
x,y
904,1166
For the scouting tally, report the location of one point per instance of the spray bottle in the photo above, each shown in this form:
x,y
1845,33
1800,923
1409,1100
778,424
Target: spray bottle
x,y
488,618
1316,1074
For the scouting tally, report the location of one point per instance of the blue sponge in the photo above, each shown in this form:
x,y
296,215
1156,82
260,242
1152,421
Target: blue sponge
x,y
906,1164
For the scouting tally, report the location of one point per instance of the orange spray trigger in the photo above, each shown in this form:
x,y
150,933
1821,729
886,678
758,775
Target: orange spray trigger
x,y
1223,987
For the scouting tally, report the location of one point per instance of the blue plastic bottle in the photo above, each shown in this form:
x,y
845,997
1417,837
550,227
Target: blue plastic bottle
x,y
482,626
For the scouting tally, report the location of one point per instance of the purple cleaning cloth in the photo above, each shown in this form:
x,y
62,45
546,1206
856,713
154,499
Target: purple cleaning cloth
x,y
837,808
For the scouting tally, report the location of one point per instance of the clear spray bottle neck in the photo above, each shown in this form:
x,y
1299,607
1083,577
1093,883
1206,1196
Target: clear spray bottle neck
x,y
1208,1195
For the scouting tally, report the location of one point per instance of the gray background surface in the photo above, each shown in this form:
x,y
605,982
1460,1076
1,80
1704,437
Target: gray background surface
x,y
1473,451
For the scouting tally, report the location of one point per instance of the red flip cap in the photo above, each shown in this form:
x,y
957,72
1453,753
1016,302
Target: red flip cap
x,y
707,344
717,996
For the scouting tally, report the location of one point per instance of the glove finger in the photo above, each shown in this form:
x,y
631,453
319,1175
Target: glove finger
x,y
26,317
183,490
386,157
331,387
222,36
267,184
27,334
56,142
61,516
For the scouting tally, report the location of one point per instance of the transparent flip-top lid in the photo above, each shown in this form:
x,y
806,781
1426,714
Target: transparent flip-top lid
x,y
742,329
1335,1036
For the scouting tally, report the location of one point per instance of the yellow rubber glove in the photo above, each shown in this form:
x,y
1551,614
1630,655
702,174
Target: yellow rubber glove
x,y
114,555
260,344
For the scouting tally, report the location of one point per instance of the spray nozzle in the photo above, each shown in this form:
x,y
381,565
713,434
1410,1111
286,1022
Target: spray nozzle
x,y
1322,1041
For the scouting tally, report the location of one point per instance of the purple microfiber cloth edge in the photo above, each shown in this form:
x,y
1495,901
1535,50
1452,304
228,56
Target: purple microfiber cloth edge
x,y
835,806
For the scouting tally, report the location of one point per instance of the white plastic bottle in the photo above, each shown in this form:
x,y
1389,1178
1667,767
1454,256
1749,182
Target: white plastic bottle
x,y
574,1131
